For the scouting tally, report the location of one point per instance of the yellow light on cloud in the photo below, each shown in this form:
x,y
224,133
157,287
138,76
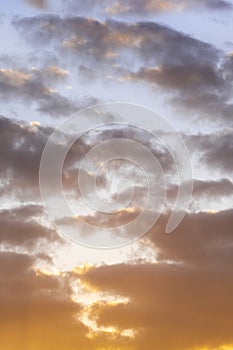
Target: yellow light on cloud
x,y
35,123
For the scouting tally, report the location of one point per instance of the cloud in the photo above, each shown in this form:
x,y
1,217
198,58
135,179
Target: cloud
x,y
33,303
207,191
21,228
38,307
184,300
137,7
168,300
194,86
37,87
182,76
164,298
37,3
152,42
145,51
50,74
214,150
178,299
22,146
220,156
21,149
33,87
201,238
19,267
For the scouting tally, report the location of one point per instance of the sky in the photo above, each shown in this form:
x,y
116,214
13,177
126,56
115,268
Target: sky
x,y
69,66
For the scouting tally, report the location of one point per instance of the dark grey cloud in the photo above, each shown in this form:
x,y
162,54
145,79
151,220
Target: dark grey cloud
x,y
19,268
21,149
22,146
182,77
206,189
195,86
21,228
211,151
211,191
215,151
201,238
35,87
56,105
196,75
152,42
221,155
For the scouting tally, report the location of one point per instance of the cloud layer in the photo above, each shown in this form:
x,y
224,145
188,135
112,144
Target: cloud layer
x,y
179,296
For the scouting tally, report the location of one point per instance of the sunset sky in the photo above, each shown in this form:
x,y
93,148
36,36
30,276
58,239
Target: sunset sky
x,y
160,292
